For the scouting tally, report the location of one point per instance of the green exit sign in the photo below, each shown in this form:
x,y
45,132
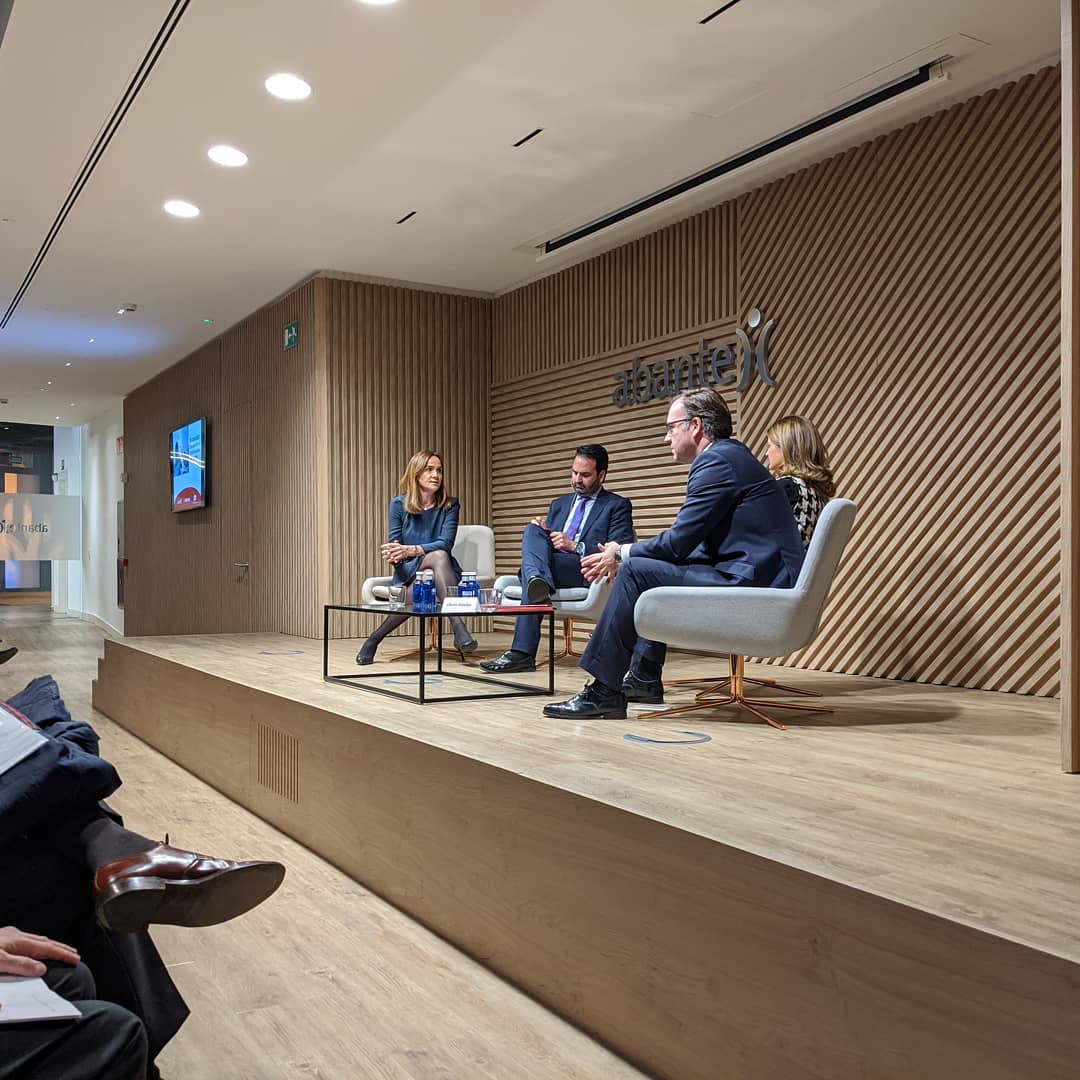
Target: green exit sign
x,y
15,459
292,334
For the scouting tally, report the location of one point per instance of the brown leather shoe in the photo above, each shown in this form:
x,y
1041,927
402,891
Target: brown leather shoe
x,y
181,888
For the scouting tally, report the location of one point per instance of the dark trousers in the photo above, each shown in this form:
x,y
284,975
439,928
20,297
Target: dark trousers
x,y
560,569
47,892
615,644
106,1043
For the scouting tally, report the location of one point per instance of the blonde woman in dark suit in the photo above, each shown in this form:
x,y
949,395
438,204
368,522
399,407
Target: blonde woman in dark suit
x,y
423,527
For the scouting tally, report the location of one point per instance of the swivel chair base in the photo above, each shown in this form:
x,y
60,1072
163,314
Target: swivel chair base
x,y
736,682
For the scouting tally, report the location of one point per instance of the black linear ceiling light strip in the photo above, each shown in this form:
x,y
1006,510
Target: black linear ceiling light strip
x,y
101,144
718,11
812,127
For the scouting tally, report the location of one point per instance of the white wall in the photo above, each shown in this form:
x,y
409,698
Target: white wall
x,y
101,491
67,577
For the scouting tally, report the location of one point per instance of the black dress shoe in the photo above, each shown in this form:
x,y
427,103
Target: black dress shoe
x,y
592,703
643,691
7,654
539,591
509,662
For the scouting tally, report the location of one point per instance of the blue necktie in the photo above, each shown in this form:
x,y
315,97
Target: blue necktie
x,y
574,527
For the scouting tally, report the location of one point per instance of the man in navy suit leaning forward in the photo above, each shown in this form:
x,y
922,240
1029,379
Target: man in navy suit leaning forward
x,y
552,548
734,528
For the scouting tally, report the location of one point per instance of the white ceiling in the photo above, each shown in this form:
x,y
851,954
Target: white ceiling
x,y
415,107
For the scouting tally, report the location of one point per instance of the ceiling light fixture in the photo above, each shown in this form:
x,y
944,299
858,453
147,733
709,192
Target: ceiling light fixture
x,y
377,3
287,87
208,322
126,309
68,364
56,417
181,208
91,341
228,156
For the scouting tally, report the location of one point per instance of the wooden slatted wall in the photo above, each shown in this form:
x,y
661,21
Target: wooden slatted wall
x,y
915,282
172,584
407,369
265,494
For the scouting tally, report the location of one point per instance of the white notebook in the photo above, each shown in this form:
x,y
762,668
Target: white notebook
x,y
23,1000
17,741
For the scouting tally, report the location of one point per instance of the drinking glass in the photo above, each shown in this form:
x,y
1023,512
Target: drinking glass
x,y
397,597
489,599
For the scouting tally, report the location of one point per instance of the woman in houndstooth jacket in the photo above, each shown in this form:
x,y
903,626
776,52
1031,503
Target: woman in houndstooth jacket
x,y
796,456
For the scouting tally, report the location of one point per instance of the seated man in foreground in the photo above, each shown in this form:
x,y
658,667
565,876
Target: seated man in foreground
x,y
73,874
735,527
552,548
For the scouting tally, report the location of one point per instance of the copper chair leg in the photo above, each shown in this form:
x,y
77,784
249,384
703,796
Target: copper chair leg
x,y
568,640
429,647
737,696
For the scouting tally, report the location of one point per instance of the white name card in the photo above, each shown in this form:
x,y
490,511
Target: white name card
x,y
40,527
461,605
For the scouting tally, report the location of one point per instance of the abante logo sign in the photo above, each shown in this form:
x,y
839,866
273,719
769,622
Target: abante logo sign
x,y
10,528
710,364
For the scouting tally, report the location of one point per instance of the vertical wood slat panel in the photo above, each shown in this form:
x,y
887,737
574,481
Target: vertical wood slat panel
x,y
915,282
406,369
177,561
173,583
645,290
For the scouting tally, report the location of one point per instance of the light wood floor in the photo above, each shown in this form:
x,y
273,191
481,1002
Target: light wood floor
x,y
324,980
951,801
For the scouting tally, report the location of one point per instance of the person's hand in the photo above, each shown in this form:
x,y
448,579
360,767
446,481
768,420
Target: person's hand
x,y
540,523
602,565
393,552
21,953
562,542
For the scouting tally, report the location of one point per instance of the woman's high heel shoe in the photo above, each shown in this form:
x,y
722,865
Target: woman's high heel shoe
x,y
469,646
366,655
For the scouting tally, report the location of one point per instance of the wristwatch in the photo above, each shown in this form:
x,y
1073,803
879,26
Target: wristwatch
x,y
579,547
618,554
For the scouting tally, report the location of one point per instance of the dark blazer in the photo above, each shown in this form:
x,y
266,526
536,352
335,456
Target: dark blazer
x,y
735,522
433,530
611,518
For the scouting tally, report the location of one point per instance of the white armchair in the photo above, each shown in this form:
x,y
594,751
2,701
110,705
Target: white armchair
x,y
750,622
474,549
571,604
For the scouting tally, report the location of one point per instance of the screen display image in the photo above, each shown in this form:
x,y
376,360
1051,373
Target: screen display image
x,y
187,463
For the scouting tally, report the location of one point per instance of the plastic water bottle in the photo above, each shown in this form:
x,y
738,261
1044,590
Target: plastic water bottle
x,y
418,591
469,585
431,599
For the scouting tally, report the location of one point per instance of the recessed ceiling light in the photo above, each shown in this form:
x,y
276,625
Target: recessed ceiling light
x,y
228,156
56,417
208,322
180,208
48,382
378,3
91,341
71,404
68,364
287,87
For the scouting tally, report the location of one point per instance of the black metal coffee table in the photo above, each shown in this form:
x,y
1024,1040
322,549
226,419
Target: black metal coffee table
x,y
512,689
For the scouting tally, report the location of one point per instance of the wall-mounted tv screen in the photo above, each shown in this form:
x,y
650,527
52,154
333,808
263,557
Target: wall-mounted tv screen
x,y
187,464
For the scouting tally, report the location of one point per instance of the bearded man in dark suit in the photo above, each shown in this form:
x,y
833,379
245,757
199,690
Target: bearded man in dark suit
x,y
735,527
552,547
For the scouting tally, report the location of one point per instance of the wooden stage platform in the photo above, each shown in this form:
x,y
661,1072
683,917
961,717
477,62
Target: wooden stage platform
x,y
891,891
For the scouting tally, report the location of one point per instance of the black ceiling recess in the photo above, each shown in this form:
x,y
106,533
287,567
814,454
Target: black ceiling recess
x,y
756,153
97,151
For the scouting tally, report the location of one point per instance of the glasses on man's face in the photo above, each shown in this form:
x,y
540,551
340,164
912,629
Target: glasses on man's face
x,y
675,423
